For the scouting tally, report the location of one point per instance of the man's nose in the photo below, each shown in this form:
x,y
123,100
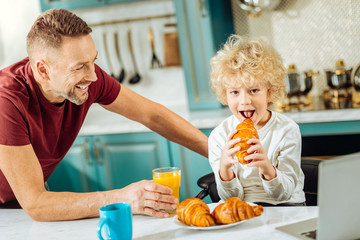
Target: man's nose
x,y
91,75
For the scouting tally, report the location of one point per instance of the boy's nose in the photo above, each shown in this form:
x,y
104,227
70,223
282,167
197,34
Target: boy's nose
x,y
245,99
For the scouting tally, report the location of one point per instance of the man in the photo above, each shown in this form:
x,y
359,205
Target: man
x,y
44,99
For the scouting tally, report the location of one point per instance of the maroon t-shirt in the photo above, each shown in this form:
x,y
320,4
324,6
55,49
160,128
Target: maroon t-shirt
x,y
27,117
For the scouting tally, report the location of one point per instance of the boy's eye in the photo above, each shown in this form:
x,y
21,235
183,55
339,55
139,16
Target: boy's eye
x,y
254,90
234,92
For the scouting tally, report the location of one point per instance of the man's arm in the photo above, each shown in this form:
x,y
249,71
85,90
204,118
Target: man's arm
x,y
159,119
24,174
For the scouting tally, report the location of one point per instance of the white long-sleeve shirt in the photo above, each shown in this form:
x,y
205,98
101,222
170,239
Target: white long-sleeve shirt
x,y
281,139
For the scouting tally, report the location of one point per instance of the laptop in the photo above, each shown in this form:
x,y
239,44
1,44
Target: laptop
x,y
338,201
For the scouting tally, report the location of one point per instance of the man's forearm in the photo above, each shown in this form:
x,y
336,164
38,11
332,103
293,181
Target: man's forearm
x,y
55,206
176,129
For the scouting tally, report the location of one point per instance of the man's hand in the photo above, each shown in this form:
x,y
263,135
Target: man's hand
x,y
146,195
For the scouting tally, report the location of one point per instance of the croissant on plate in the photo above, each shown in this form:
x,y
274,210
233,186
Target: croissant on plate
x,y
246,131
234,210
194,211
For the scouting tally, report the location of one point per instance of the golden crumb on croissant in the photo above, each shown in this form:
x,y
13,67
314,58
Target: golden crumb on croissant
x,y
246,131
194,211
234,210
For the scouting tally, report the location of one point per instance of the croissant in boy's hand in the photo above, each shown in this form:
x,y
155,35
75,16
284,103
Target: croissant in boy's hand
x,y
246,131
234,210
194,211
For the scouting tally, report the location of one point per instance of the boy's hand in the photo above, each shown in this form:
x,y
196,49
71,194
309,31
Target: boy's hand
x,y
227,159
259,159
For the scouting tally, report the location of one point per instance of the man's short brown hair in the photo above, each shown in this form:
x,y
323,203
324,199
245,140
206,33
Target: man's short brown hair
x,y
49,28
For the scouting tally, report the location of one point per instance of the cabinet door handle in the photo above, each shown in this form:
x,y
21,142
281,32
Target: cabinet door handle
x,y
97,152
87,155
203,8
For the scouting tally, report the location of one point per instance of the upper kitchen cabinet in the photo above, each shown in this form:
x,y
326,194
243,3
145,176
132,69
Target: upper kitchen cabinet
x,y
203,26
76,4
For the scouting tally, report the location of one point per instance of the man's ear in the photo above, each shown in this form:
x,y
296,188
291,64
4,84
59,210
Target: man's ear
x,y
42,69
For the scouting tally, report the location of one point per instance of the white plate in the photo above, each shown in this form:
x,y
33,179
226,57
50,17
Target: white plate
x,y
213,227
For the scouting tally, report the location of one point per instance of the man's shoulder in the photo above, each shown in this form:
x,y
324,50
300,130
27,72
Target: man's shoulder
x,y
15,80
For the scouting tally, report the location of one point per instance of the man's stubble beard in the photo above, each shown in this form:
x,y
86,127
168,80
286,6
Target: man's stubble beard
x,y
72,97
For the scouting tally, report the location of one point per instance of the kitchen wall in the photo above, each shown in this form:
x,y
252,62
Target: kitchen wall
x,y
163,85
16,18
312,34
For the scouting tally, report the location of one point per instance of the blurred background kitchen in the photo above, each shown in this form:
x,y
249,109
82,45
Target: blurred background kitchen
x,y
161,49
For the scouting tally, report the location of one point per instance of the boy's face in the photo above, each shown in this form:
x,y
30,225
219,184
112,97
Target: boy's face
x,y
248,102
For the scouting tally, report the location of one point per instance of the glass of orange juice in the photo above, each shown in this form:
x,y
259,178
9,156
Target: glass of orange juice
x,y
171,177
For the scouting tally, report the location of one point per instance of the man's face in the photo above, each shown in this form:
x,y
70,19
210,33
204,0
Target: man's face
x,y
72,70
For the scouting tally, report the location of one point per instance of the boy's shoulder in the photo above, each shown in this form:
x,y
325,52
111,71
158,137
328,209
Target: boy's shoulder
x,y
226,126
283,119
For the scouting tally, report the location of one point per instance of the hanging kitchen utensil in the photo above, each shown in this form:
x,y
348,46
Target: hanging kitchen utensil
x,y
155,63
171,46
107,56
136,78
117,50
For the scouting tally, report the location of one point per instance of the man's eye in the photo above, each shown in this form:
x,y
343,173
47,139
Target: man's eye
x,y
79,68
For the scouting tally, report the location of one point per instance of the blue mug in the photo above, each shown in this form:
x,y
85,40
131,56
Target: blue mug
x,y
115,222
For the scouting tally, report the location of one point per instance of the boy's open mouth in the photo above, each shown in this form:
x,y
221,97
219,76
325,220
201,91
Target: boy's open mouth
x,y
247,114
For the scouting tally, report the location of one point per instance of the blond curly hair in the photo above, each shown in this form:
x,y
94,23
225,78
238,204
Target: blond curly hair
x,y
251,62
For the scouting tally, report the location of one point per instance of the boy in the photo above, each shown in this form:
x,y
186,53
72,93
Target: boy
x,y
248,76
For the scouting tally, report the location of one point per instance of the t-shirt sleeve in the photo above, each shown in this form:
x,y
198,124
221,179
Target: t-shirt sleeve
x,y
106,89
13,127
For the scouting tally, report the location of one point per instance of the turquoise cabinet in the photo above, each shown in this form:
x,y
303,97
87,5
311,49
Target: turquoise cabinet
x,y
77,172
75,4
193,167
127,158
104,162
203,25
70,4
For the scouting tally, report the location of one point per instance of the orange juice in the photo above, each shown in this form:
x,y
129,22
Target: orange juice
x,y
169,176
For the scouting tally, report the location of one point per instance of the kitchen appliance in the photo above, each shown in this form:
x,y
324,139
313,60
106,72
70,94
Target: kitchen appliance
x,y
355,80
297,89
339,82
255,7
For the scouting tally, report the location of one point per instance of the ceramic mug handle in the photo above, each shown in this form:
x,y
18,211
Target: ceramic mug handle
x,y
100,226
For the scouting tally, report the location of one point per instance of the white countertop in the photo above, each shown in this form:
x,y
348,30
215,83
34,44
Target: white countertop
x,y
101,121
16,224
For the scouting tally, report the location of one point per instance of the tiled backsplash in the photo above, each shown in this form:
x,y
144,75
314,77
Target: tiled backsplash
x,y
312,34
